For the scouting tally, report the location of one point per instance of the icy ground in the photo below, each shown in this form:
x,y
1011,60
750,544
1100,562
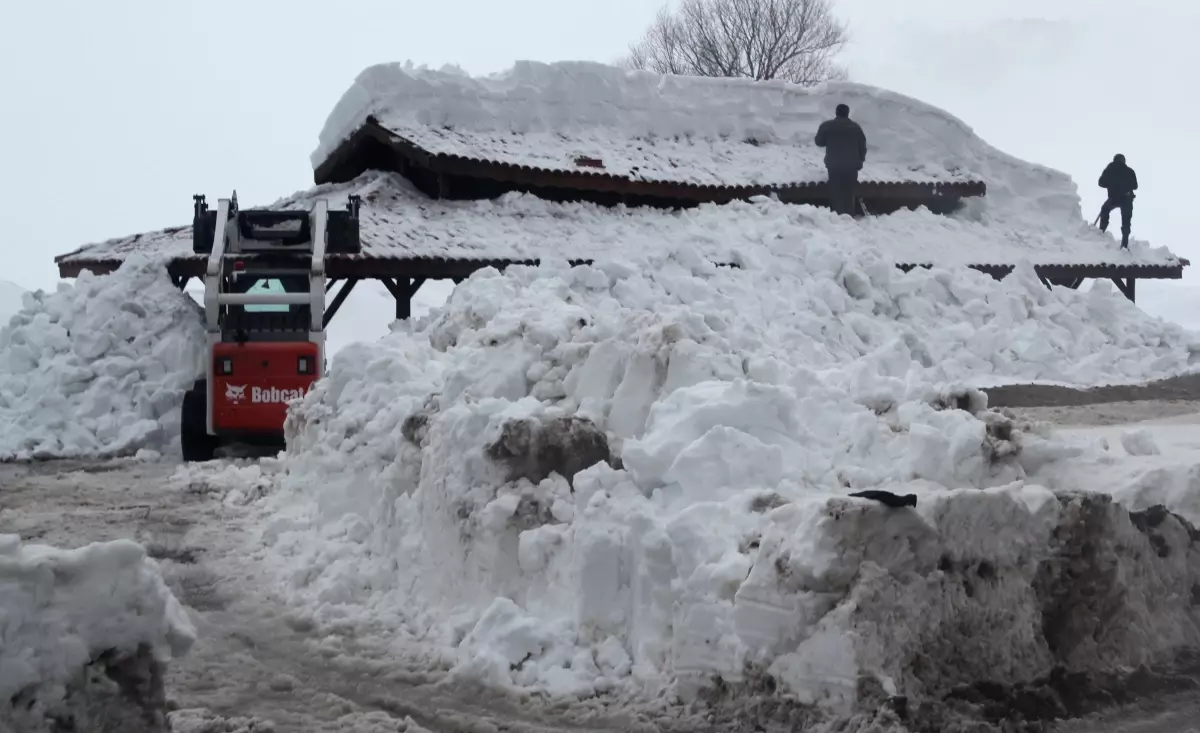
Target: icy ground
x,y
256,668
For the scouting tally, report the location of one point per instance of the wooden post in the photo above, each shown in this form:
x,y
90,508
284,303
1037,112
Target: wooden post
x,y
403,306
403,290
332,309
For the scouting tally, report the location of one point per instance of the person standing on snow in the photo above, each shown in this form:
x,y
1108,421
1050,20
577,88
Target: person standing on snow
x,y
1120,181
845,152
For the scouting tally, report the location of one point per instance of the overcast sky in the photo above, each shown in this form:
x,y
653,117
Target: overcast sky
x,y
116,112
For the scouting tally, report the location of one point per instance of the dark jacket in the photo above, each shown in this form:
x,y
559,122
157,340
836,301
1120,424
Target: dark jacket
x,y
844,142
1119,179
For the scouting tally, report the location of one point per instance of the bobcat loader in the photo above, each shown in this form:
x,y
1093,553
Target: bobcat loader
x,y
264,309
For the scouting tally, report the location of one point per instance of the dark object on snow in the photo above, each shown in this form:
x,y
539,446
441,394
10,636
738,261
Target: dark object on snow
x,y
845,152
895,501
1120,181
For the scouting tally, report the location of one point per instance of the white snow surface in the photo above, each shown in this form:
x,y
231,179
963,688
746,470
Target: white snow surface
x,y
59,609
740,407
98,367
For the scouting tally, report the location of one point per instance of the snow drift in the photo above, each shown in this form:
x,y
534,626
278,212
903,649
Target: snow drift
x,y
99,367
83,637
611,477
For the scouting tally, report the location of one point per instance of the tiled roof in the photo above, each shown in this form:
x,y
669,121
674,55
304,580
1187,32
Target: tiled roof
x,y
722,163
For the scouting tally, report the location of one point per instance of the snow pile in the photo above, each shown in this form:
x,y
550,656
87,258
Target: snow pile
x,y
99,367
587,479
76,629
237,482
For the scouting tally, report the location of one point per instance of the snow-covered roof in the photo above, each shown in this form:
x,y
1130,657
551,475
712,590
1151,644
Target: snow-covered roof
x,y
646,127
399,222
685,130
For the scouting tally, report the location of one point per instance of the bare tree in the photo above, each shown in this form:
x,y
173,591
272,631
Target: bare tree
x,y
792,40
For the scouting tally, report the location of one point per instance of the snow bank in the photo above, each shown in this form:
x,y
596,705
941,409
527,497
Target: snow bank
x,y
99,367
606,478
83,634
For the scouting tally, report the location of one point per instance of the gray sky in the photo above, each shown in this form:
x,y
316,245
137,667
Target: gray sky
x,y
116,112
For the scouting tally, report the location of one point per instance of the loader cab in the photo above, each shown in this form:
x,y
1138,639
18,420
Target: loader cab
x,y
264,313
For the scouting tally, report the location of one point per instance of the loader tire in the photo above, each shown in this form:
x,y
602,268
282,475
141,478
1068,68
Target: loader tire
x,y
196,444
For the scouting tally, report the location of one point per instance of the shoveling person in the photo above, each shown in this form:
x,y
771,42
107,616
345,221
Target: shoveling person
x,y
1121,182
845,152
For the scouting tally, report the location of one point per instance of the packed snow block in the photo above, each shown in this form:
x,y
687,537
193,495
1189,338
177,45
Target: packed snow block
x,y
1111,593
115,693
1005,587
534,449
99,367
84,637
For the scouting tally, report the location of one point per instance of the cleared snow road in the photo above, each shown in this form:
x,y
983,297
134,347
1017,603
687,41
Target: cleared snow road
x,y
255,669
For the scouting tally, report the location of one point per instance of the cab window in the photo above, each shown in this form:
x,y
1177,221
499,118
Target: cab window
x,y
266,285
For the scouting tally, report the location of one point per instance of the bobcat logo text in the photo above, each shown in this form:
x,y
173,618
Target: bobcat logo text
x,y
235,394
262,395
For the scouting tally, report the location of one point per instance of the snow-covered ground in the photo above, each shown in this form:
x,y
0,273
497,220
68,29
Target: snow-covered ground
x,y
99,366
623,480
257,665
63,610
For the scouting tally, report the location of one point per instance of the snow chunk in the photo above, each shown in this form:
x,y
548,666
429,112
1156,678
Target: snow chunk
x,y
1139,443
99,367
64,610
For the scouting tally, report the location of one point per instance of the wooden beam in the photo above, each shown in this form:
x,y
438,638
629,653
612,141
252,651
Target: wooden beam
x,y
1127,286
367,267
403,290
391,285
332,309
1063,282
